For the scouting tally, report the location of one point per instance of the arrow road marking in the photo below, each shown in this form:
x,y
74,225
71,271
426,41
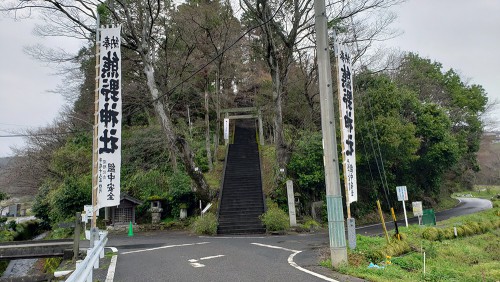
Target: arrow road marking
x,y
194,262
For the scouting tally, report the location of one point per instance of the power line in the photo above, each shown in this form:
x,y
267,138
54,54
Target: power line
x,y
170,91
43,134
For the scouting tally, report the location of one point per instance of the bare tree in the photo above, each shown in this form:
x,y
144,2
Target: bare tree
x,y
144,29
288,26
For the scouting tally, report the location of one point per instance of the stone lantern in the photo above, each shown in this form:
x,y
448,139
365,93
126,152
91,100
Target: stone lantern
x,y
155,212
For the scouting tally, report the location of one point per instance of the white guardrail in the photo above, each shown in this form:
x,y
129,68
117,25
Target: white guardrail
x,y
84,269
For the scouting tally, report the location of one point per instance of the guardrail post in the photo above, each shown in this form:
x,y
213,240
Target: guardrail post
x,y
96,263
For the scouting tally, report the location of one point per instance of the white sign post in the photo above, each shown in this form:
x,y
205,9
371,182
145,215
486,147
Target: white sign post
x,y
291,203
403,196
226,129
418,211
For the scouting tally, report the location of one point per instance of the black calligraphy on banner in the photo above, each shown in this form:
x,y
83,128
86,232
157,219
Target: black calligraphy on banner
x,y
111,43
347,99
350,179
111,186
110,89
109,117
346,104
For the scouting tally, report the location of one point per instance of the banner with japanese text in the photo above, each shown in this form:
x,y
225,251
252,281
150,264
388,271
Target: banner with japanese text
x,y
110,118
346,105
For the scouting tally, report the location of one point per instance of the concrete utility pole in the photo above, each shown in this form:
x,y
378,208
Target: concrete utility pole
x,y
336,227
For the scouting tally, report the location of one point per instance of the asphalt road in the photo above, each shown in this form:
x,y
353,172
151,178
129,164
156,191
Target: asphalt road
x,y
178,256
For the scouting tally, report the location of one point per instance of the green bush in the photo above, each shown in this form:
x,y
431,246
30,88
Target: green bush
x,y
12,225
275,220
7,236
410,262
311,224
205,225
430,234
27,230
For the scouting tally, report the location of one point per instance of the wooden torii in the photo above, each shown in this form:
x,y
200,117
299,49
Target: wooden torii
x,y
253,112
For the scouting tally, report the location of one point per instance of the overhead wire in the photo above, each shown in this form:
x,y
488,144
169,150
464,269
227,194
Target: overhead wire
x,y
171,90
382,178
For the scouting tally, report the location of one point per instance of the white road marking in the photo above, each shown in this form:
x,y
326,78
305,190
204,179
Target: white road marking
x,y
217,256
232,237
111,270
113,249
275,247
295,265
194,262
164,247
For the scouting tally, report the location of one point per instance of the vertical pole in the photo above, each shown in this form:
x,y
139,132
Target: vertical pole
x,y
93,222
383,221
189,122
395,223
261,130
406,218
76,241
291,203
96,121
336,228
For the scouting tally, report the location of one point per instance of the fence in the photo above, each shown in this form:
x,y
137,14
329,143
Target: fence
x,y
84,269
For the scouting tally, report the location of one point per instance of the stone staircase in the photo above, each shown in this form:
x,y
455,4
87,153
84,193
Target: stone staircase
x,y
242,200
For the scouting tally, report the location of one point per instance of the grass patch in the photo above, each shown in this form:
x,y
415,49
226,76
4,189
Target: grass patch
x,y
481,191
474,256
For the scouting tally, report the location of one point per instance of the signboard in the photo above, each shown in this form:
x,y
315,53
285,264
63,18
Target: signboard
x,y
87,213
226,129
346,104
402,193
417,208
109,119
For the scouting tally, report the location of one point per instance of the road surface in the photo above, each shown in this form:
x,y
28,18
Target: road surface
x,y
177,256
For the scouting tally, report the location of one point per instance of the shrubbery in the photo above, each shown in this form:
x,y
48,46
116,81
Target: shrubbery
x,y
275,219
467,229
205,225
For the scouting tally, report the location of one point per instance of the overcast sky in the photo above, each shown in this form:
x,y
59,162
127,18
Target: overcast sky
x,y
461,34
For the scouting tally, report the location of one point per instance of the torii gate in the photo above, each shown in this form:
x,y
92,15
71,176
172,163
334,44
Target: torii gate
x,y
253,113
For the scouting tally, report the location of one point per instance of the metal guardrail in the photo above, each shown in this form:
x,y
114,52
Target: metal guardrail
x,y
84,269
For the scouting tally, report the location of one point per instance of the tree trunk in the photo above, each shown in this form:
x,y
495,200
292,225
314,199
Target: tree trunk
x,y
281,147
175,142
207,133
217,110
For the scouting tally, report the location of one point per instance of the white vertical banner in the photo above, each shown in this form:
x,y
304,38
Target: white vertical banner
x,y
226,129
346,104
110,118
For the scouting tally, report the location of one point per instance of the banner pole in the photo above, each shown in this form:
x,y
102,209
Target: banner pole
x,y
95,133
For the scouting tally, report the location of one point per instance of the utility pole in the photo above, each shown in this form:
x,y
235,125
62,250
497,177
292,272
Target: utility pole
x,y
336,228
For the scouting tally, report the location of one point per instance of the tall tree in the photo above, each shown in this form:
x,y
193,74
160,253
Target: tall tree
x,y
144,29
463,104
287,26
